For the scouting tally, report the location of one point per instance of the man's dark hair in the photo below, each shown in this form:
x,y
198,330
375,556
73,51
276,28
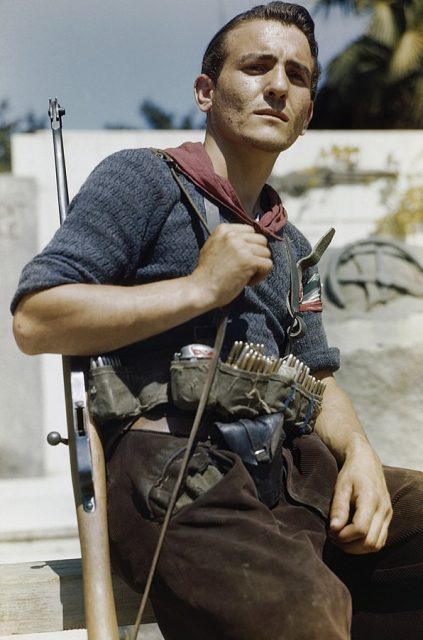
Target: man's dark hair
x,y
286,13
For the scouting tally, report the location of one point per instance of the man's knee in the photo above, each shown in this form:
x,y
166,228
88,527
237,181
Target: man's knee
x,y
313,606
406,489
307,612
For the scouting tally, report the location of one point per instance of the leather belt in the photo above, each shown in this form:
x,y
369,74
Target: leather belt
x,y
160,425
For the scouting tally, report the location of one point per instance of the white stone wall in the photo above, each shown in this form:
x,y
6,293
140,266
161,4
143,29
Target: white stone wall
x,y
21,451
352,209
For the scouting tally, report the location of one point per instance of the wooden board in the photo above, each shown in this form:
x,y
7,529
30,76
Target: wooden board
x,y
38,597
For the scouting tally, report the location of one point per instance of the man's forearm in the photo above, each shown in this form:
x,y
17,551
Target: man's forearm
x,y
338,424
84,319
361,508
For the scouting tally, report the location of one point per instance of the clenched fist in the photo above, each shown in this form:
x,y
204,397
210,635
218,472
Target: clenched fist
x,y
233,256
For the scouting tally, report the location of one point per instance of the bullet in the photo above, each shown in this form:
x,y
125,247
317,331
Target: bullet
x,y
244,358
240,356
251,361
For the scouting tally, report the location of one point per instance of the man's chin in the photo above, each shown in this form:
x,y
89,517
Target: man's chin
x,y
272,140
271,145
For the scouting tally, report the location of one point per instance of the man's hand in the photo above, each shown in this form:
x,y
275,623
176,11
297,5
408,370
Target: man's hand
x,y
361,508
234,256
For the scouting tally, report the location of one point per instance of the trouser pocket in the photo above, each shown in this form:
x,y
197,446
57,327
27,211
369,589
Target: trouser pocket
x,y
155,475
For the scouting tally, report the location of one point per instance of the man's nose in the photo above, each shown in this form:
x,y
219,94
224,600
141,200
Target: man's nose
x,y
277,86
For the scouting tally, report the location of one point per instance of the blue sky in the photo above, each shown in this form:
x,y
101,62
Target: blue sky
x,y
102,58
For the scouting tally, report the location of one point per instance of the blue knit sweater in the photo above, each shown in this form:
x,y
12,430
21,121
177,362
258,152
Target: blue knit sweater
x,y
128,225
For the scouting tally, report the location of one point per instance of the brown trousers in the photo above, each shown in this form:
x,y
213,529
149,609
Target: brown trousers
x,y
232,569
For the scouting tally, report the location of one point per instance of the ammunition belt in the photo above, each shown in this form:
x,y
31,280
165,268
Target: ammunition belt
x,y
247,385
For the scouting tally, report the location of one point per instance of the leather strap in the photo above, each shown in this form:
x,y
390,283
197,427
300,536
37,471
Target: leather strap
x,y
161,425
212,214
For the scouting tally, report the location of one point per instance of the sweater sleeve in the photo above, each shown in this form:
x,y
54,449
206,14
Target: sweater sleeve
x,y
312,348
110,223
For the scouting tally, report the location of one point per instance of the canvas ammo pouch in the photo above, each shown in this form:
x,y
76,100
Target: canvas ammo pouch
x,y
238,393
122,392
119,393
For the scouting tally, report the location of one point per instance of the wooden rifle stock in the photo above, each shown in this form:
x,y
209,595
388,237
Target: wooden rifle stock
x,y
86,458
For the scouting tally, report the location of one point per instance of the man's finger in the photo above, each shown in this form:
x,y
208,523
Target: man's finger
x,y
378,531
366,545
383,536
365,510
340,509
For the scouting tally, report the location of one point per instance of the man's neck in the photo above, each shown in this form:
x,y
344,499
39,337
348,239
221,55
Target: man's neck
x,y
246,171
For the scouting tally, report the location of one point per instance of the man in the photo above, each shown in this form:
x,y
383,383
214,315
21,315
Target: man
x,y
132,272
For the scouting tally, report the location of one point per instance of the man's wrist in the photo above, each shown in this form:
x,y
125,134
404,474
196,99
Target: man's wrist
x,y
201,297
357,443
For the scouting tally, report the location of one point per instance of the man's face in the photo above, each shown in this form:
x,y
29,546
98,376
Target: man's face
x,y
262,96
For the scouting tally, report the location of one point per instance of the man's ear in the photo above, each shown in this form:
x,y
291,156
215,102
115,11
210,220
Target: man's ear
x,y
309,117
203,91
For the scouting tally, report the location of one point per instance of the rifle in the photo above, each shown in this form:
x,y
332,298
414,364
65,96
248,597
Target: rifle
x,y
86,456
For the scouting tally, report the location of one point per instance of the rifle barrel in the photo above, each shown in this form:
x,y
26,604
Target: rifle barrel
x,y
56,112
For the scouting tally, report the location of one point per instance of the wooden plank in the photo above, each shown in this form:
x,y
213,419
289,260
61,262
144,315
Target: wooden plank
x,y
146,632
75,634
38,597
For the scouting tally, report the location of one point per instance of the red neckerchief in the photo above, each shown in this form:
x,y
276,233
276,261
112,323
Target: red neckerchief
x,y
193,161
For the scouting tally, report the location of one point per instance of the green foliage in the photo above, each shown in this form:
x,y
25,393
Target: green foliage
x,y
156,117
342,158
377,81
6,129
406,218
336,165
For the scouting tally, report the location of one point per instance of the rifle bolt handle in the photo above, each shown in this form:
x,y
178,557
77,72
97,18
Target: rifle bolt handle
x,y
54,438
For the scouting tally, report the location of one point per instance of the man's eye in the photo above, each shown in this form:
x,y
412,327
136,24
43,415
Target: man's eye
x,y
298,77
256,69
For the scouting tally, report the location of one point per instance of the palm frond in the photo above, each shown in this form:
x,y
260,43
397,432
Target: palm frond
x,y
377,81
413,12
407,57
363,57
384,27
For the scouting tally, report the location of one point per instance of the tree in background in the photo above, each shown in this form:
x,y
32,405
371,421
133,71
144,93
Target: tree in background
x,y
377,81
27,123
157,118
7,127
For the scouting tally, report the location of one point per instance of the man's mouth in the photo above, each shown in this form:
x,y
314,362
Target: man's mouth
x,y
280,115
